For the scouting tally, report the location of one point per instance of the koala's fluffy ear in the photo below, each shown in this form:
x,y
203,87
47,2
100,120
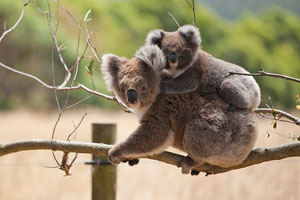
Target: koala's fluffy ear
x,y
153,57
191,34
155,37
109,68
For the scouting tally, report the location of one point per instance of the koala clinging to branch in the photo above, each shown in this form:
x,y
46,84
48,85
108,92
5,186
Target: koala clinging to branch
x,y
202,125
186,63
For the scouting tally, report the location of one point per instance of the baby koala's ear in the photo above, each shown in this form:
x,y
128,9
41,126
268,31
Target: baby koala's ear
x,y
109,68
191,34
153,57
155,37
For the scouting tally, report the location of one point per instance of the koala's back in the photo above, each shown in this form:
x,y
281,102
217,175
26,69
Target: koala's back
x,y
216,71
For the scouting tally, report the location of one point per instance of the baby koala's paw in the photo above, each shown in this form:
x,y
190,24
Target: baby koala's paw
x,y
166,75
114,156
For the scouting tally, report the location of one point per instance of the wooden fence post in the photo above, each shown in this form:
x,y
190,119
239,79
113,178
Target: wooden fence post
x,y
104,174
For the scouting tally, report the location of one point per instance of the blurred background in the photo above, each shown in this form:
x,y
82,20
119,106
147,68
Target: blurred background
x,y
250,33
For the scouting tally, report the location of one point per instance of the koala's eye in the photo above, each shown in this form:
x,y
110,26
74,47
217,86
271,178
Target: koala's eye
x,y
144,88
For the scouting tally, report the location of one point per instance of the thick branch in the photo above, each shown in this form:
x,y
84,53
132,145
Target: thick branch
x,y
257,156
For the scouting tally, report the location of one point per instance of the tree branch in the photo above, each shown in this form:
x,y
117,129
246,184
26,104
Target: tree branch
x,y
263,73
17,22
278,112
257,156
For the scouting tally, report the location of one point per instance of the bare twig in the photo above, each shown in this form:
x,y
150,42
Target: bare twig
x,y
59,88
279,112
257,156
16,24
53,79
88,39
78,102
272,118
192,5
263,73
53,32
52,136
76,69
178,25
293,137
76,127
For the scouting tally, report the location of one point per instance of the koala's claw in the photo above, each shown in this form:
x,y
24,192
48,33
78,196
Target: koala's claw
x,y
194,172
131,162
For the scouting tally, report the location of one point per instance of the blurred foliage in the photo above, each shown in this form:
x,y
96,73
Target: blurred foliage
x,y
232,9
270,39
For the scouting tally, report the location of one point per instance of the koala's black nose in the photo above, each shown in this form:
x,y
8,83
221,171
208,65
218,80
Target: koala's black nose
x,y
131,96
173,57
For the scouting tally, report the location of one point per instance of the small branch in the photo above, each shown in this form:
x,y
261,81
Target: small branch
x,y
192,5
59,88
278,112
16,24
76,127
178,25
53,32
263,73
257,156
88,39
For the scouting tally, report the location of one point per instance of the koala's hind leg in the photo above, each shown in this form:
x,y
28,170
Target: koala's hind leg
x,y
233,92
202,141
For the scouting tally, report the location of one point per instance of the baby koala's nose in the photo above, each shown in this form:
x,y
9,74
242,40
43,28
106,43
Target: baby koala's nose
x,y
173,57
131,96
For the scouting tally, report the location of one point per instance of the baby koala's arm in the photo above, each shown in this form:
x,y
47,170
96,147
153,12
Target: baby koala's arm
x,y
186,82
148,139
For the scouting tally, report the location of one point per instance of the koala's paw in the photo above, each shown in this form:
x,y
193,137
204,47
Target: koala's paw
x,y
194,173
114,156
166,75
131,162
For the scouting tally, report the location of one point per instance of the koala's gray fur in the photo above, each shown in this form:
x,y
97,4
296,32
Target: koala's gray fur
x,y
202,125
240,91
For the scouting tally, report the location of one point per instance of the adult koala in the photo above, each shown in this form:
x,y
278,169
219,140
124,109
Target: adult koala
x,y
186,62
203,126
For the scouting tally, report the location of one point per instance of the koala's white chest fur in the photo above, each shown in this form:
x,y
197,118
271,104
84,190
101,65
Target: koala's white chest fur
x,y
139,112
173,71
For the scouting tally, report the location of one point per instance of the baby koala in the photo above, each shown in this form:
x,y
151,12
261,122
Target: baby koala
x,y
186,63
201,125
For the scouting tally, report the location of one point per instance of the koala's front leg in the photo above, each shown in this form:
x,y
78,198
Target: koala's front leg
x,y
148,139
233,92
